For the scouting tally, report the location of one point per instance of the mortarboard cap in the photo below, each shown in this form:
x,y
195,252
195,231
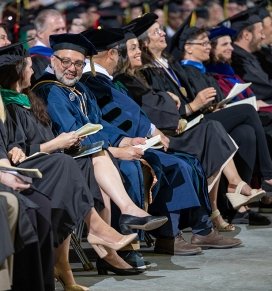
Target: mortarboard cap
x,y
242,20
76,42
11,54
183,34
104,38
238,2
140,25
261,9
220,31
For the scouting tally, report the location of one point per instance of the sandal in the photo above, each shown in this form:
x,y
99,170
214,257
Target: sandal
x,y
237,199
223,225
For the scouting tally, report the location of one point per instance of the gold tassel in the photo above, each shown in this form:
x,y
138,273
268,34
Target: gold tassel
x,y
26,4
92,66
193,19
165,12
146,8
226,2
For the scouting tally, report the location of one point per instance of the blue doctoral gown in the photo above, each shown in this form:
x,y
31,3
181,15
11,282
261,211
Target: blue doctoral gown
x,y
182,180
66,108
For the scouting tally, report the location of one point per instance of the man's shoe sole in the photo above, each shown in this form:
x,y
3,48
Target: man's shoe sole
x,y
189,253
207,246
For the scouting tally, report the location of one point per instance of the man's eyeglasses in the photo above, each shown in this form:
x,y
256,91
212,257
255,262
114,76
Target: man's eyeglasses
x,y
204,43
67,63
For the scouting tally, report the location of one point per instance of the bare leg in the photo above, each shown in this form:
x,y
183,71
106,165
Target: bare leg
x,y
108,176
234,178
105,214
63,271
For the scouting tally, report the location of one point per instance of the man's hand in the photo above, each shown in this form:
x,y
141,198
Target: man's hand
x,y
164,139
128,141
16,155
203,98
129,153
13,182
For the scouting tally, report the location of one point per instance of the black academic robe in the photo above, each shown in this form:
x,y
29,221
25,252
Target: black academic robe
x,y
62,182
33,235
242,123
201,141
247,66
264,57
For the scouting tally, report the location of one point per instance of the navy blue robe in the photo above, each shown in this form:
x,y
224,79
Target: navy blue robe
x,y
182,183
65,109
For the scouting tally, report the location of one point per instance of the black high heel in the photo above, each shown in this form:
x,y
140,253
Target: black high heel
x,y
104,267
147,223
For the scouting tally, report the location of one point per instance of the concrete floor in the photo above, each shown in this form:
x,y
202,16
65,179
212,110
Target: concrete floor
x,y
248,267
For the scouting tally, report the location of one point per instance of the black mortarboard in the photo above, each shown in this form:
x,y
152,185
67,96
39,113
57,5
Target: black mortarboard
x,y
173,8
261,9
109,16
70,41
11,54
242,20
104,38
183,33
238,2
139,25
220,31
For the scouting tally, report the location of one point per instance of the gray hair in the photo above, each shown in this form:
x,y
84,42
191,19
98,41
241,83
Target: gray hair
x,y
40,20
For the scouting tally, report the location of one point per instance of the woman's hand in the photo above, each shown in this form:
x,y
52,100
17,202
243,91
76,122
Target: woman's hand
x,y
164,139
175,98
13,182
16,155
67,139
203,98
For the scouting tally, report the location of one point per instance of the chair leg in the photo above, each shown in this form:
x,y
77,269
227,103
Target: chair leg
x,y
87,265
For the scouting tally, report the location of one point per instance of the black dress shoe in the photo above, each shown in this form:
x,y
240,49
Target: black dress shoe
x,y
257,219
128,222
104,267
135,259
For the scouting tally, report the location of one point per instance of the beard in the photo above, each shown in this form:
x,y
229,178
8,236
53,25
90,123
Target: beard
x,y
254,45
68,82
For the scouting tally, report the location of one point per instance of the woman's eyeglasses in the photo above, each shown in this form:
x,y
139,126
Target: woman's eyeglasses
x,y
67,63
204,43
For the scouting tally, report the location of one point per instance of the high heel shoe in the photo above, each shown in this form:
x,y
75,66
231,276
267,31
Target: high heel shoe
x,y
128,222
73,287
237,199
98,243
104,267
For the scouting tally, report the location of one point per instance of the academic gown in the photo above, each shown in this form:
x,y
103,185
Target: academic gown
x,y
264,57
246,65
213,150
31,133
242,123
226,78
70,202
182,181
33,235
70,109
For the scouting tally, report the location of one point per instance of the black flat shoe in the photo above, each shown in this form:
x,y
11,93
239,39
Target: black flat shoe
x,y
135,259
104,267
128,222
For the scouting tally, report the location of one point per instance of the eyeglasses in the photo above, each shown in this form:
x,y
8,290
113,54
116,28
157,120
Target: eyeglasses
x,y
157,31
204,43
67,63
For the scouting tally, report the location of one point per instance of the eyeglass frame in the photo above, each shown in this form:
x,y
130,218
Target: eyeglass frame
x,y
204,43
71,63
118,51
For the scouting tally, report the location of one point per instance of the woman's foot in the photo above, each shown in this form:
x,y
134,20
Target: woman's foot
x,y
241,188
64,275
219,223
115,260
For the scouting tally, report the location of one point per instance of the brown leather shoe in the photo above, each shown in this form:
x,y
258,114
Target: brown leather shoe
x,y
214,240
175,246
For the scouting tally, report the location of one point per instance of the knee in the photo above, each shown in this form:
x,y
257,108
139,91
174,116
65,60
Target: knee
x,y
13,206
245,136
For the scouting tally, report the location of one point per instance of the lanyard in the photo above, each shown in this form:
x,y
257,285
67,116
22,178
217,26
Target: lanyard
x,y
170,72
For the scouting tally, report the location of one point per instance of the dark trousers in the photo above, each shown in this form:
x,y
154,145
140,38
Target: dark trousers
x,y
33,265
243,124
